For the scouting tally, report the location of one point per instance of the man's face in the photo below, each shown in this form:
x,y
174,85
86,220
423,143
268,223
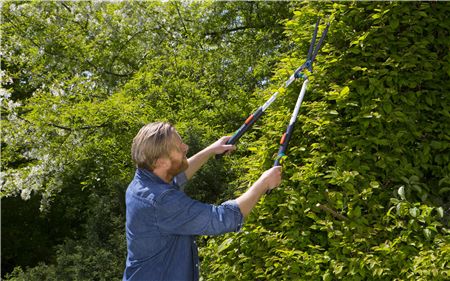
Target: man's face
x,y
178,159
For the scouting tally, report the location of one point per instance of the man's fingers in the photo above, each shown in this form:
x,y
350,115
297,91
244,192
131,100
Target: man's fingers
x,y
229,148
223,140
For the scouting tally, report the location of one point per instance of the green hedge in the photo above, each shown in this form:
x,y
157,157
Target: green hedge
x,y
366,181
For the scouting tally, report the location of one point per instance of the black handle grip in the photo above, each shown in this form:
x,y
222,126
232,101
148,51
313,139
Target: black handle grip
x,y
219,156
247,125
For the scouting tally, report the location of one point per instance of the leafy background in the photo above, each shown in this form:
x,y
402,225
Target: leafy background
x,y
366,186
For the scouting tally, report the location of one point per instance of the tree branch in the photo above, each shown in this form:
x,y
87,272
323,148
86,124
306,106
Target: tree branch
x,y
181,18
53,124
335,214
81,128
229,30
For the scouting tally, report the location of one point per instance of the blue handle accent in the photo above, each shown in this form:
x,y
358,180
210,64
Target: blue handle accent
x,y
300,75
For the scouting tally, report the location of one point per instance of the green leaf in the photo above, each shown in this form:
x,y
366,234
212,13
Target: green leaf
x,y
401,192
344,92
413,212
387,107
333,112
440,211
225,244
374,184
444,190
393,23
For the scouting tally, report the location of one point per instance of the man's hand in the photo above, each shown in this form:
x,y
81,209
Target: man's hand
x,y
221,146
272,177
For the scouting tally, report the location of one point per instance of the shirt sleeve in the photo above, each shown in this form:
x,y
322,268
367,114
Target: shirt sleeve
x,y
179,214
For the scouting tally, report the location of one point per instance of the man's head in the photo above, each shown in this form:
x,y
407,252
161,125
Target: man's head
x,y
159,145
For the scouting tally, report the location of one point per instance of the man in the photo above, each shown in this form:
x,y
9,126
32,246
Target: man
x,y
161,220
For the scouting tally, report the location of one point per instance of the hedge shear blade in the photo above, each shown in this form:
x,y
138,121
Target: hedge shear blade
x,y
312,53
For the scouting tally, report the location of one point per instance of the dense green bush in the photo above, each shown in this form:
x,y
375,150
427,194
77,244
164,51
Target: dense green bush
x,y
365,192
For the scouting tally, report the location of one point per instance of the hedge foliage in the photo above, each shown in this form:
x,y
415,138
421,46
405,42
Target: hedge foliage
x,y
366,178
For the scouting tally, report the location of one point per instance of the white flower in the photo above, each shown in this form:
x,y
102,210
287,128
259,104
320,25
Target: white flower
x,y
78,17
54,92
25,194
4,94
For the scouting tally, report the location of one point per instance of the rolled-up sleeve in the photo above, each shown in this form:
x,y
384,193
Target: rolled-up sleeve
x,y
176,213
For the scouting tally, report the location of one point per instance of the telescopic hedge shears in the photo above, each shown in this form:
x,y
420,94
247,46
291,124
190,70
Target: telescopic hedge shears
x,y
312,53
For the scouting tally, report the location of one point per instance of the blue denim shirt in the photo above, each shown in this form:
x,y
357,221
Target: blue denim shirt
x,y
161,224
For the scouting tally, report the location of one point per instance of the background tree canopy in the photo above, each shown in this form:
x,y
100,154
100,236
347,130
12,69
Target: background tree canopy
x,y
366,182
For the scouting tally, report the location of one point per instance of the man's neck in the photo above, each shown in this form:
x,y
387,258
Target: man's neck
x,y
163,175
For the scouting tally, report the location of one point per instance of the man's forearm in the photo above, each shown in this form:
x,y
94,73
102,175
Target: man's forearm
x,y
249,199
197,161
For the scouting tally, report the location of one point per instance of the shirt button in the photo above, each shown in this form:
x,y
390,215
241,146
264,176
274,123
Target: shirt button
x,y
196,265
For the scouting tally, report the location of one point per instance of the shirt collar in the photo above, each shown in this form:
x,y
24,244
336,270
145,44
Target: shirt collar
x,y
146,174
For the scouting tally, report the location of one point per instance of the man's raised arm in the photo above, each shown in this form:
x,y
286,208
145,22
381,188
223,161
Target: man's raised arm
x,y
199,159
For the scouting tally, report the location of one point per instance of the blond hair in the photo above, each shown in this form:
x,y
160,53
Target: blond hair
x,y
153,141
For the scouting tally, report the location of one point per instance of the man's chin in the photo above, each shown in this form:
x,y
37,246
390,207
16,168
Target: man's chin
x,y
180,168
